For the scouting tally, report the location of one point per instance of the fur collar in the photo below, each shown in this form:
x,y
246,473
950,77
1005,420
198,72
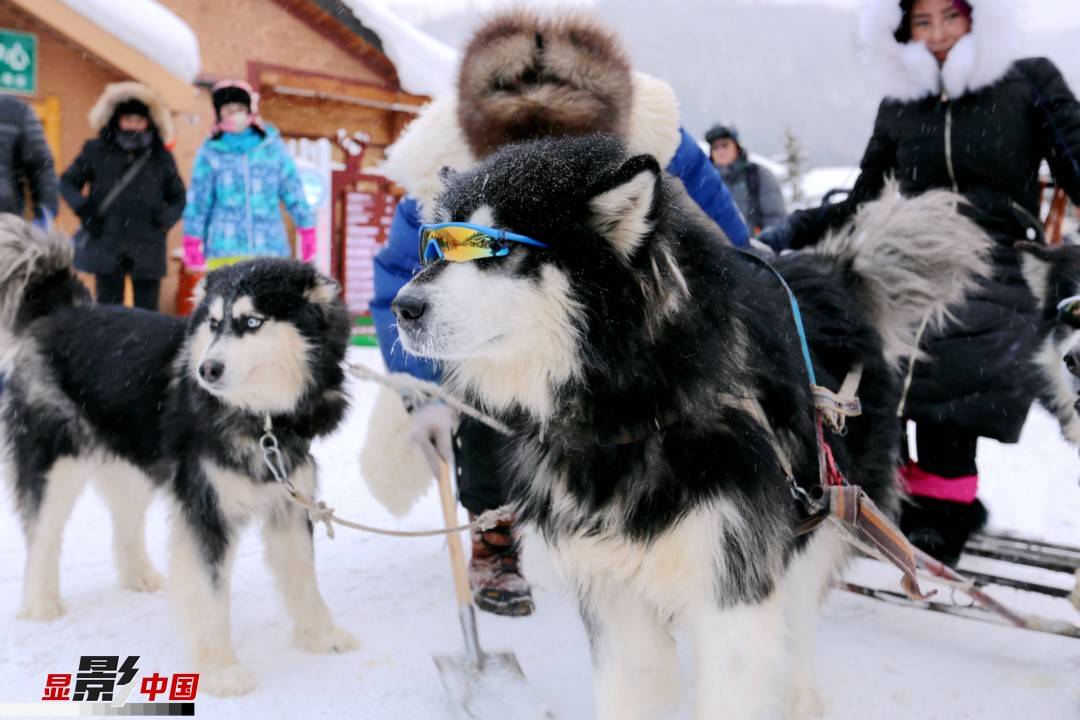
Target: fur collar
x,y
908,71
435,139
116,93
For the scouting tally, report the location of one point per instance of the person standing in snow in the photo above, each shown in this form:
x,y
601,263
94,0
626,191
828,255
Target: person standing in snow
x,y
752,186
242,173
25,160
135,194
962,113
523,76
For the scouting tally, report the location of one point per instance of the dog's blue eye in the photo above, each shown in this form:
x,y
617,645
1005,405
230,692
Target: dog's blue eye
x,y
214,324
253,323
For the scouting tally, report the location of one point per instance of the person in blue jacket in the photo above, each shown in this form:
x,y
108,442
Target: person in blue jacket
x,y
242,174
502,97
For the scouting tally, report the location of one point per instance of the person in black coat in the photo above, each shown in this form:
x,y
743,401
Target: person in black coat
x,y
962,112
135,194
25,159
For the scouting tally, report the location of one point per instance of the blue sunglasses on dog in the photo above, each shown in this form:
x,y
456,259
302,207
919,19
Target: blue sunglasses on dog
x,y
462,242
1068,311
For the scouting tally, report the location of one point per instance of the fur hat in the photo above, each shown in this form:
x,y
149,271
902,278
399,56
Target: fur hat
x,y
124,98
525,76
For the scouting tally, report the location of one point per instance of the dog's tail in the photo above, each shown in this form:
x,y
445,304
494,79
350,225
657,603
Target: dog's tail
x,y
35,273
913,258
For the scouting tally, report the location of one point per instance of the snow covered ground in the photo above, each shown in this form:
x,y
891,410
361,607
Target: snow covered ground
x,y
396,595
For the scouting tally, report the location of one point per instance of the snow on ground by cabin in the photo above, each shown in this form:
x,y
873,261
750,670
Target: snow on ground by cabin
x,y
396,595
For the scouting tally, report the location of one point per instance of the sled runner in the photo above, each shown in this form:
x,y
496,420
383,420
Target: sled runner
x,y
1002,561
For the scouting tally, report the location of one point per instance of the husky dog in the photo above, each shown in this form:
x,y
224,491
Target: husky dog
x,y
656,388
138,400
1053,274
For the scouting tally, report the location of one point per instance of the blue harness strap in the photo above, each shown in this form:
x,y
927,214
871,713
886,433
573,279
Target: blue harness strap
x,y
794,311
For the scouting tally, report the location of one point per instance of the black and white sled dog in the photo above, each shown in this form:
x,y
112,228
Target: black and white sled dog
x,y
653,376
1053,274
138,400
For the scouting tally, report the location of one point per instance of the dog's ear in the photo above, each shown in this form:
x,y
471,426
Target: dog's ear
x,y
625,207
1035,263
448,175
323,292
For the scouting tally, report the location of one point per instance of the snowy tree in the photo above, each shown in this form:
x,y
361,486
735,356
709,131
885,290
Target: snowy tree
x,y
795,161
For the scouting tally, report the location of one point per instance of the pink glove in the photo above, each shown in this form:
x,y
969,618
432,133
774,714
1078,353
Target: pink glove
x,y
193,254
308,243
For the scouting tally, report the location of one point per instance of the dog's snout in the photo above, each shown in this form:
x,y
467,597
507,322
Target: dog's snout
x,y
408,306
211,370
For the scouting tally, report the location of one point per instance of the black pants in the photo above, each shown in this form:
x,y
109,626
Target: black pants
x,y
945,450
110,290
478,453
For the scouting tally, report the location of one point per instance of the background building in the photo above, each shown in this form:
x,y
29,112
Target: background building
x,y
326,78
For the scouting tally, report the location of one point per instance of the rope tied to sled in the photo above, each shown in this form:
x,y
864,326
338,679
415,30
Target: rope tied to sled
x,y
849,508
319,512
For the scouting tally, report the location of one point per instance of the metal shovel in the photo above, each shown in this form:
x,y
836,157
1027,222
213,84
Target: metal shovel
x,y
481,686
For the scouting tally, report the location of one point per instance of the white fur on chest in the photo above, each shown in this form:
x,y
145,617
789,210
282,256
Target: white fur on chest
x,y
672,573
240,497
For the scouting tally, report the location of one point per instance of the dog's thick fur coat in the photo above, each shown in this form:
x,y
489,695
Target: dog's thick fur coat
x,y
1053,274
656,387
137,400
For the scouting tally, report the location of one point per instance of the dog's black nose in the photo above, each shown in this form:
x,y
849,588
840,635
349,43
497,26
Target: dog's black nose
x,y
408,307
211,370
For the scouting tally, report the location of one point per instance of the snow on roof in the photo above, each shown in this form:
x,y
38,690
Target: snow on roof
x,y
148,27
424,65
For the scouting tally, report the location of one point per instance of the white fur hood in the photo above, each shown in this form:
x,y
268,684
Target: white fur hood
x,y
908,71
434,140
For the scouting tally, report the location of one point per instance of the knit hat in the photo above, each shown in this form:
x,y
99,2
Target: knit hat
x,y
234,91
131,106
720,132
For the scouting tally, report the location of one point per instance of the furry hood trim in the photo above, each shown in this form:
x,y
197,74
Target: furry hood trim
x,y
908,71
435,139
116,93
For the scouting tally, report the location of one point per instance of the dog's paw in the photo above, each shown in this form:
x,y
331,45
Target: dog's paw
x,y
147,580
226,681
334,640
805,702
42,609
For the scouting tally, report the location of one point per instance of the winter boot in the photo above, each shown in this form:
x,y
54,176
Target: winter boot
x,y
494,573
938,527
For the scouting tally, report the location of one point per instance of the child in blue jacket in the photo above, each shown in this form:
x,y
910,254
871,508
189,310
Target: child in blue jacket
x,y
242,172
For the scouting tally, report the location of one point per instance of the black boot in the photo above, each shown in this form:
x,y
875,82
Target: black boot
x,y
940,528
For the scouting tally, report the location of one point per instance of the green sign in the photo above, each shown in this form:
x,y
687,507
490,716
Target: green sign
x,y
18,62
